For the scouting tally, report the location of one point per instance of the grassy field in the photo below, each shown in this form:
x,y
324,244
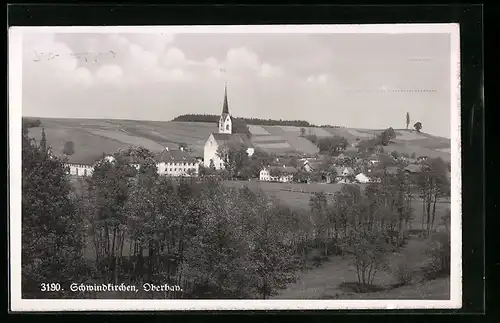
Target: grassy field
x,y
321,283
92,137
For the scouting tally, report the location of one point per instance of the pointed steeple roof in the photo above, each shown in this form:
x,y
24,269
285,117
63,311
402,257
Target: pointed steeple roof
x,y
225,106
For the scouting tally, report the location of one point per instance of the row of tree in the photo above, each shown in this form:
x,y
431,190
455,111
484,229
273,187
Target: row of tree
x,y
252,121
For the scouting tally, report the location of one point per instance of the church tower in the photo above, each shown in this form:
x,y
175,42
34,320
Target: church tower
x,y
225,121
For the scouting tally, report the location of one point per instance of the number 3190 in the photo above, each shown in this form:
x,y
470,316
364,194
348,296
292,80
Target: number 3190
x,y
52,287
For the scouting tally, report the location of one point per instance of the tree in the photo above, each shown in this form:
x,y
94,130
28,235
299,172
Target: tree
x,y
327,170
439,249
433,184
31,123
234,157
52,227
395,154
441,185
369,145
275,172
212,164
386,136
216,260
413,155
418,126
367,250
302,132
272,260
191,172
318,206
109,188
43,141
407,120
331,145
69,148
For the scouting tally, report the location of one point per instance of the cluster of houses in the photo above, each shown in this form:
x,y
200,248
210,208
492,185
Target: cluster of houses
x,y
362,170
177,163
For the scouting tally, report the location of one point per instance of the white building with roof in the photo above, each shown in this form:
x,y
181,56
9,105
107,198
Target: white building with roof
x,y
176,163
81,165
80,168
362,178
282,174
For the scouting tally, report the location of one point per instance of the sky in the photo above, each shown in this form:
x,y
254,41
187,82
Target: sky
x,y
351,80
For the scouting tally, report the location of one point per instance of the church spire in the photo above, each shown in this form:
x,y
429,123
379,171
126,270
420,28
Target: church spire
x,y
225,106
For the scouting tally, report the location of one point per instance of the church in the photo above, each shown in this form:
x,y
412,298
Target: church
x,y
224,136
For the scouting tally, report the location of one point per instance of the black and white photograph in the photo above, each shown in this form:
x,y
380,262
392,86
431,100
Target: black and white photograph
x,y
277,167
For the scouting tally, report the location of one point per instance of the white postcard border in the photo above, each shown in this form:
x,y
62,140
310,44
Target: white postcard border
x,y
15,118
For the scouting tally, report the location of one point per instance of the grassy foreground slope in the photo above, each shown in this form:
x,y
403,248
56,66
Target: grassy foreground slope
x,y
330,280
92,137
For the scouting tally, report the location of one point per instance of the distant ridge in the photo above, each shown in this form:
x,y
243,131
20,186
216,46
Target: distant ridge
x,y
249,121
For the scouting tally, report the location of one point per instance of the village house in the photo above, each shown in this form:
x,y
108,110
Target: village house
x,y
225,137
373,159
78,165
176,163
344,174
311,165
81,168
362,178
416,168
284,174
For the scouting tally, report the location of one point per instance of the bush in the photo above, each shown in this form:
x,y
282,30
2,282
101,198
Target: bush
x,y
439,253
404,274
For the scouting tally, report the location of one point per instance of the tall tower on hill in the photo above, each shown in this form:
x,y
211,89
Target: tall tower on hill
x,y
225,121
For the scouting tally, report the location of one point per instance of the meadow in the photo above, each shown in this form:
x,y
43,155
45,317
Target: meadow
x,y
92,137
319,283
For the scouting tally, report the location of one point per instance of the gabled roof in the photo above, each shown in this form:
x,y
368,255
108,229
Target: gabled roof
x,y
314,164
415,168
84,159
232,138
350,170
340,170
393,170
175,156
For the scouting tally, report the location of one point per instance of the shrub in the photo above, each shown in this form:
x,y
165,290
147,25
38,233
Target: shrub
x,y
404,274
439,253
368,251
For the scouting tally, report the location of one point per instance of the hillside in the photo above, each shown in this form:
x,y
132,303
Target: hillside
x,y
92,137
